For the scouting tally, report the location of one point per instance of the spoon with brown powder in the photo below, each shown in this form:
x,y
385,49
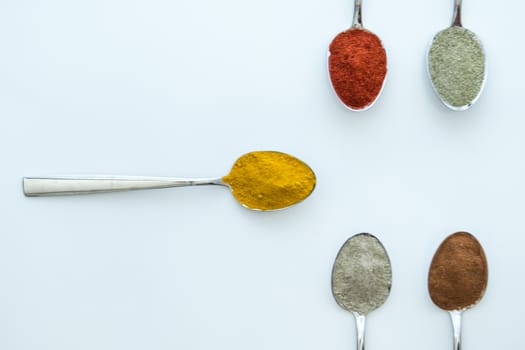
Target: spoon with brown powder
x,y
458,277
259,180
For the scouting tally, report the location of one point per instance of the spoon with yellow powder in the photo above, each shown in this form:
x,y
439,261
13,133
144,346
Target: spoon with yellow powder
x,y
260,180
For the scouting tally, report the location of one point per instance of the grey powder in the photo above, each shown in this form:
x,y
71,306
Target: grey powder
x,y
362,274
456,63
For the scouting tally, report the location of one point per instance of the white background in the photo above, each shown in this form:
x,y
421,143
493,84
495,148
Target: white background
x,y
183,88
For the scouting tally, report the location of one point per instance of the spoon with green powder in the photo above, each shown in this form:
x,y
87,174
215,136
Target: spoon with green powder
x,y
259,180
457,64
361,279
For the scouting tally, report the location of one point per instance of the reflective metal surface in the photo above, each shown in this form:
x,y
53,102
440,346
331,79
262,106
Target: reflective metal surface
x,y
70,185
360,323
456,18
358,18
455,316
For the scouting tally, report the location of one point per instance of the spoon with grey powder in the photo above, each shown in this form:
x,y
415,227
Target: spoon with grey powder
x,y
361,279
457,64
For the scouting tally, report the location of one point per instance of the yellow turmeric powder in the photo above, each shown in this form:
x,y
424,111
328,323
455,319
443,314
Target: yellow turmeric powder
x,y
269,180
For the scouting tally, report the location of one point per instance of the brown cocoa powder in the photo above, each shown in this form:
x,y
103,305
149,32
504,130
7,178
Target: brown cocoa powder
x,y
458,273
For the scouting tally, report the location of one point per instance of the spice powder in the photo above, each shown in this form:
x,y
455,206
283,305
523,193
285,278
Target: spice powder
x,y
362,274
269,180
458,273
358,67
456,63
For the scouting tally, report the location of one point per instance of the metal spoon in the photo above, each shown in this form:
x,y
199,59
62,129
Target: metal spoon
x,y
361,279
356,90
457,64
260,180
458,277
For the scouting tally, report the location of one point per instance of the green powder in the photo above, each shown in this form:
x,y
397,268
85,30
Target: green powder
x,y
456,64
362,274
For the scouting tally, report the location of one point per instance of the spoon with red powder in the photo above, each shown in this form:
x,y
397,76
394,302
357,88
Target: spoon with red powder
x,y
357,65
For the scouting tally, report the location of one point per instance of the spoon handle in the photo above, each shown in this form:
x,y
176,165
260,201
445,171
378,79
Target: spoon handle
x,y
456,18
455,316
69,185
360,322
358,18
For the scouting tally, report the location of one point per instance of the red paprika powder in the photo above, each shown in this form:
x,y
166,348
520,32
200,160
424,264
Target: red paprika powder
x,y
357,66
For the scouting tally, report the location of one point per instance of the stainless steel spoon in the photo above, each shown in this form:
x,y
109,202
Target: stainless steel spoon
x,y
458,277
456,64
361,279
260,180
351,57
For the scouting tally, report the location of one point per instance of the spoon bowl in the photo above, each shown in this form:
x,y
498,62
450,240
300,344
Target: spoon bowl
x,y
458,277
357,65
361,278
456,64
259,180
